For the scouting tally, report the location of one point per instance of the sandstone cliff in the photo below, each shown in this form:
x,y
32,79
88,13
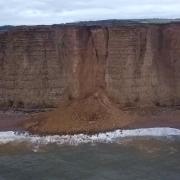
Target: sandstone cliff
x,y
135,65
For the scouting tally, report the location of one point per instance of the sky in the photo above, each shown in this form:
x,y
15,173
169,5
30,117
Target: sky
x,y
33,12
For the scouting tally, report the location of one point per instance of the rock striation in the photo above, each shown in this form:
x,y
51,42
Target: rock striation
x,y
134,64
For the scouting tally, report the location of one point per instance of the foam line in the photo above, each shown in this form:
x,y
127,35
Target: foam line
x,y
10,136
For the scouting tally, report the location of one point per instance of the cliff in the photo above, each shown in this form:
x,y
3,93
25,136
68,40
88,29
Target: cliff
x,y
136,65
132,65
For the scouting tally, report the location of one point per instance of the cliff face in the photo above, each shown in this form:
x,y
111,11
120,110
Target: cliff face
x,y
135,65
143,65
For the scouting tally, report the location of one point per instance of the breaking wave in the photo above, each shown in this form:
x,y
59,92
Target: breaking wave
x,y
108,137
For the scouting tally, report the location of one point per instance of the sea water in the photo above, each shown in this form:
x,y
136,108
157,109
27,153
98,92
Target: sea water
x,y
143,154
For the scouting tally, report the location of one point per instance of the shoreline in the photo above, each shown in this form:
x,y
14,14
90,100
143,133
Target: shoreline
x,y
116,136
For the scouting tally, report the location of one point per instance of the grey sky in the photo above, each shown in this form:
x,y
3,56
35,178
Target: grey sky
x,y
18,12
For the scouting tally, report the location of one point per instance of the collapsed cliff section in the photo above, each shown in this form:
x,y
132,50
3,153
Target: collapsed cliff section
x,y
77,68
94,113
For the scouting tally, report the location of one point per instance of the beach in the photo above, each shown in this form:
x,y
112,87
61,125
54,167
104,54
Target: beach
x,y
11,120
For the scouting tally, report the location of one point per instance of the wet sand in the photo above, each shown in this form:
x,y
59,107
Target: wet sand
x,y
160,117
11,120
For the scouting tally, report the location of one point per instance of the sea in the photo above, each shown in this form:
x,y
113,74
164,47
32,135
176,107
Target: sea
x,y
140,154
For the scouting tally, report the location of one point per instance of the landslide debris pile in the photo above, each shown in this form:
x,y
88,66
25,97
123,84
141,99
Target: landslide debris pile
x,y
88,115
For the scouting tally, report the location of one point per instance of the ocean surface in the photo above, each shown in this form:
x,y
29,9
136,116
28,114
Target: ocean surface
x,y
146,154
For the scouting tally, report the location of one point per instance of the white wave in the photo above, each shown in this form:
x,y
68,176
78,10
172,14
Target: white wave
x,y
10,136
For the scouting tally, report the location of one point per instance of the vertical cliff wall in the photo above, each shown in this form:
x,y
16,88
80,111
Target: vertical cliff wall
x,y
149,70
143,65
135,65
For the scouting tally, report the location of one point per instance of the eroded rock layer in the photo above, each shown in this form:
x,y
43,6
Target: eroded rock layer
x,y
136,65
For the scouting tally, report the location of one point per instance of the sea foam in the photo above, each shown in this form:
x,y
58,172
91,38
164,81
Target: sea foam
x,y
108,137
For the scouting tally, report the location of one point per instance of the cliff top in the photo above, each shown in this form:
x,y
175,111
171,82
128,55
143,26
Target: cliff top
x,y
101,23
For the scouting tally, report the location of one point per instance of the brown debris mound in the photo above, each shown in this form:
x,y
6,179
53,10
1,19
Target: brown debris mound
x,y
95,113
